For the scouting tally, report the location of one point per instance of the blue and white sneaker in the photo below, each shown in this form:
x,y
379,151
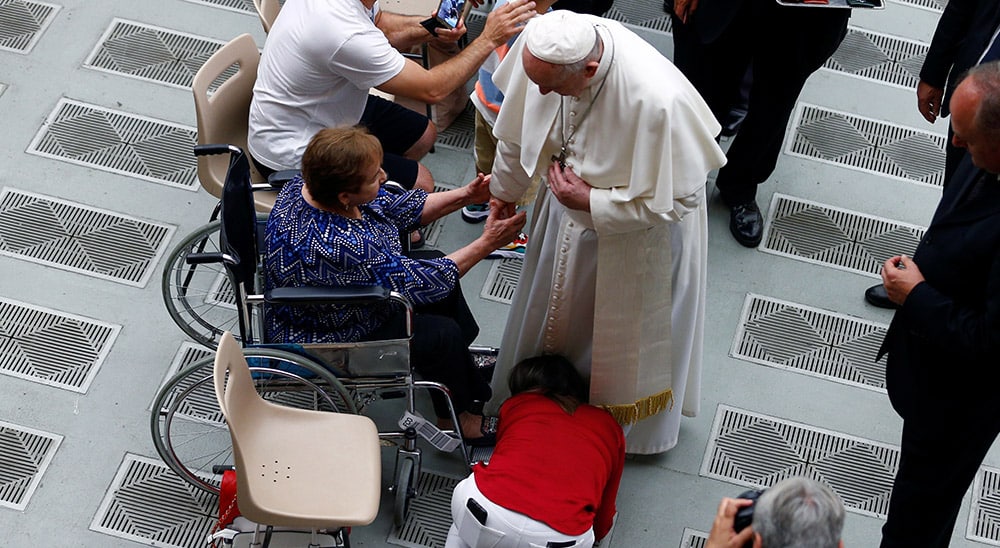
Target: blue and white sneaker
x,y
476,213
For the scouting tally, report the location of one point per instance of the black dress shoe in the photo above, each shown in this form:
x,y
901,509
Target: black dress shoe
x,y
877,296
746,224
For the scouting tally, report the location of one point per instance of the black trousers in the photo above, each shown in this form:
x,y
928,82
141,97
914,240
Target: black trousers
x,y
439,349
784,46
943,445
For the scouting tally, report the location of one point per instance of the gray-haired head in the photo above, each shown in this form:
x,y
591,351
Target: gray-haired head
x,y
799,513
986,78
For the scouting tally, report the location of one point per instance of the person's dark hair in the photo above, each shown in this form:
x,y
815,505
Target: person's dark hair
x,y
986,78
338,160
552,376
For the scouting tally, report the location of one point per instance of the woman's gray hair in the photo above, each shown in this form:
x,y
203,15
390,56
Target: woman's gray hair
x,y
799,513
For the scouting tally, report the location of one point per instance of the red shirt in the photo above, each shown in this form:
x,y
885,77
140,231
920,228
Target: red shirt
x,y
560,469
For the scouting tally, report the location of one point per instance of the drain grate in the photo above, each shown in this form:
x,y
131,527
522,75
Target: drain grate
x,y
151,53
694,539
812,341
149,504
502,281
119,142
429,516
52,347
869,145
433,231
932,5
461,134
757,451
79,238
22,23
242,6
984,515
835,237
645,15
880,57
25,454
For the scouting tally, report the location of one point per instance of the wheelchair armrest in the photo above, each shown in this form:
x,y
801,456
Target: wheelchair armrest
x,y
204,258
326,295
279,178
208,150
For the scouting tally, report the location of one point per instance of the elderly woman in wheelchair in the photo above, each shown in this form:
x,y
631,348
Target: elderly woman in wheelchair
x,y
338,225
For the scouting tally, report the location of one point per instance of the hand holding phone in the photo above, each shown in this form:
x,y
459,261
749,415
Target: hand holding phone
x,y
450,12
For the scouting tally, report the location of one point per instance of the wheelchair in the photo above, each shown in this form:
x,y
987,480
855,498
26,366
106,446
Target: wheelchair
x,y
188,428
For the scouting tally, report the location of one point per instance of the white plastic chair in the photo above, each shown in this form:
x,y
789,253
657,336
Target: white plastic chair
x,y
296,467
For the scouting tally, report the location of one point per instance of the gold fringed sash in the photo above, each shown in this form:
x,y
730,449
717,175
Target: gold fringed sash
x,y
626,414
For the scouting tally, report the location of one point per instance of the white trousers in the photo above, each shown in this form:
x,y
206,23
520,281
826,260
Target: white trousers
x,y
504,528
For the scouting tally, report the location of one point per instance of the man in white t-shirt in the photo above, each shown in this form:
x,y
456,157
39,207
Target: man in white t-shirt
x,y
321,59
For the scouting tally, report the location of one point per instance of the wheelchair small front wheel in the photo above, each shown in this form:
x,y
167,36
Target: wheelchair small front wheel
x,y
403,491
189,430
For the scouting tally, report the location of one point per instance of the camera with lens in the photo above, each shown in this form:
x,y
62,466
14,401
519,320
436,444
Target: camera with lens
x,y
744,516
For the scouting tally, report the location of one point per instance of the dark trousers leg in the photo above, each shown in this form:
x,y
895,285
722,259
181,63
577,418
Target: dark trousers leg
x,y
938,462
785,45
439,351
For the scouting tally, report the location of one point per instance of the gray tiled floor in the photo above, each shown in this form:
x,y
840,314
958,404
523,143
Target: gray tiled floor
x,y
99,345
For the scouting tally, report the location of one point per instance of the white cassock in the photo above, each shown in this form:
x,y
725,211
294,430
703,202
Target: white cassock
x,y
620,291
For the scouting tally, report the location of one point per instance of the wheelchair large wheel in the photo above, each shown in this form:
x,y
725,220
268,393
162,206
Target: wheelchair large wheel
x,y
199,297
189,430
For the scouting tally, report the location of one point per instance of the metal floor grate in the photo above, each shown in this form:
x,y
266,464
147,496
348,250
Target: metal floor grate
x,y
644,15
694,539
22,23
879,57
80,238
25,454
812,341
461,134
151,53
429,517
868,145
52,347
757,451
433,231
932,5
119,142
984,514
149,504
835,237
242,6
502,280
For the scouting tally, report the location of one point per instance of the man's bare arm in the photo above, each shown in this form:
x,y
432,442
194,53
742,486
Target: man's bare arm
x,y
431,86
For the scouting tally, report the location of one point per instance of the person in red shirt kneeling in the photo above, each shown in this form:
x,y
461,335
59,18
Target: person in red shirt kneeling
x,y
553,477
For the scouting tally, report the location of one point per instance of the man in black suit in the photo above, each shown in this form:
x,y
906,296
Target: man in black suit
x,y
944,341
715,41
965,36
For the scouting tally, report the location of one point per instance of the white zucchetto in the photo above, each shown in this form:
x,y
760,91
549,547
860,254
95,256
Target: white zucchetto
x,y
560,37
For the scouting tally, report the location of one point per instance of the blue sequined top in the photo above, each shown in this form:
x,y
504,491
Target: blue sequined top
x,y
305,246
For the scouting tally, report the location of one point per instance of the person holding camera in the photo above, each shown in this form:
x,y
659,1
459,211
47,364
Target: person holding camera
x,y
796,512
527,495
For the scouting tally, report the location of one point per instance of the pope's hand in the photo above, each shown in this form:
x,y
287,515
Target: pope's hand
x,y
571,191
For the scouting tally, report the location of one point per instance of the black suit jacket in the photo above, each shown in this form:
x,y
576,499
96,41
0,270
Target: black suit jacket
x,y
944,343
962,34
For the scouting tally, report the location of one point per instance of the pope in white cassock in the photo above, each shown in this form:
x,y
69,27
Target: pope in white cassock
x,y
615,277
